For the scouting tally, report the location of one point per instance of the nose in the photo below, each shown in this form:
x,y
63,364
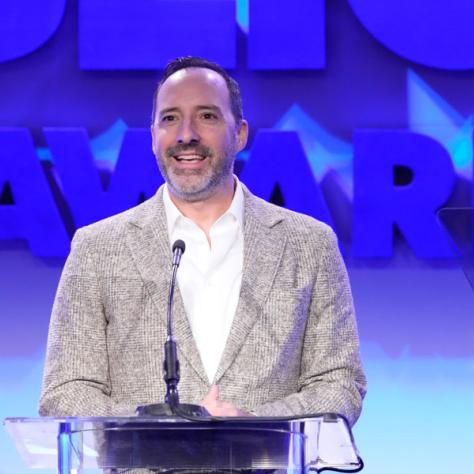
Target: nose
x,y
187,132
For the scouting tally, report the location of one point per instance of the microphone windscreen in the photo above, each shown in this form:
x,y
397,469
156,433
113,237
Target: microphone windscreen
x,y
179,244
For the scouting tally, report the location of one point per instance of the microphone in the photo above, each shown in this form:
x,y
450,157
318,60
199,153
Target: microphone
x,y
171,375
178,249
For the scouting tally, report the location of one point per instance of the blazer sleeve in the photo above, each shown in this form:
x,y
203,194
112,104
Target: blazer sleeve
x,y
76,376
331,374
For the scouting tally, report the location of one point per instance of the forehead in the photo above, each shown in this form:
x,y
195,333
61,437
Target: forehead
x,y
193,87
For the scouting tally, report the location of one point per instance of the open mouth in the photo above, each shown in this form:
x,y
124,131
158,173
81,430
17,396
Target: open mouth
x,y
189,158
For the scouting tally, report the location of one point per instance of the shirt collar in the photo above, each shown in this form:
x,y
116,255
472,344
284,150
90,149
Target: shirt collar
x,y
236,208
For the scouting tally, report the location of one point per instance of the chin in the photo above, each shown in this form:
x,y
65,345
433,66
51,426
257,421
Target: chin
x,y
193,193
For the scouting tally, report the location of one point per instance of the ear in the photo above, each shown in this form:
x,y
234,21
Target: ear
x,y
153,139
242,135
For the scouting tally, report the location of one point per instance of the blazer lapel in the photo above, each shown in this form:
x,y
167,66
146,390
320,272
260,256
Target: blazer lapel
x,y
148,240
264,244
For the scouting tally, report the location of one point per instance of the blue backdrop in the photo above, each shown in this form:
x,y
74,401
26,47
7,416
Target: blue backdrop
x,y
360,115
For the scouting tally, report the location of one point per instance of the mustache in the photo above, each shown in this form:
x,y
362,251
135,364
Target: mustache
x,y
197,148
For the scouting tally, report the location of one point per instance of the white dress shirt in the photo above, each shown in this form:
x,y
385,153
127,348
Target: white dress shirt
x,y
209,277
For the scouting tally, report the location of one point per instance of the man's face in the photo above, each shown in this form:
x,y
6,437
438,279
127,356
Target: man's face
x,y
195,137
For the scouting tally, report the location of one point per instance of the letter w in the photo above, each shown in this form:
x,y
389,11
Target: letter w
x,y
136,176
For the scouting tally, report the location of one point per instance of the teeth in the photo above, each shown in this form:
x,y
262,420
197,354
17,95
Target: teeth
x,y
189,158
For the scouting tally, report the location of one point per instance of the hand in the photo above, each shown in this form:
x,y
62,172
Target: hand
x,y
217,407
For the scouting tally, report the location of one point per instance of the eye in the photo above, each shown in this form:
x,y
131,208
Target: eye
x,y
209,116
168,118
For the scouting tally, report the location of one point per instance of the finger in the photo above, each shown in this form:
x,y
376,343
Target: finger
x,y
214,392
212,395
221,408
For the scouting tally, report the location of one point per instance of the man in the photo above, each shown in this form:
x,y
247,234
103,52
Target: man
x,y
263,317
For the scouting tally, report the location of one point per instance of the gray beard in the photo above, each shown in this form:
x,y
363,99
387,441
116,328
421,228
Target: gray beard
x,y
201,190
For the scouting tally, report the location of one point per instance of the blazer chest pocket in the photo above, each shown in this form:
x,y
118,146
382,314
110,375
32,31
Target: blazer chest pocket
x,y
125,297
283,317
291,303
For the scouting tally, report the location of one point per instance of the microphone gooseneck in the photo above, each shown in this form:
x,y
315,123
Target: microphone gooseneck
x,y
172,406
171,362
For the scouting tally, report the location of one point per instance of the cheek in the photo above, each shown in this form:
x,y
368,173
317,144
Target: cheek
x,y
224,141
161,141
232,144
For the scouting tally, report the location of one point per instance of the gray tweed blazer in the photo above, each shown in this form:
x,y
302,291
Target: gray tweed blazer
x,y
292,349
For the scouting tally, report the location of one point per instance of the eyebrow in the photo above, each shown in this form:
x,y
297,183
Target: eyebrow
x,y
168,110
209,107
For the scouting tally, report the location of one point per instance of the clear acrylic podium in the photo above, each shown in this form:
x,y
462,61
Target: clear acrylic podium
x,y
269,445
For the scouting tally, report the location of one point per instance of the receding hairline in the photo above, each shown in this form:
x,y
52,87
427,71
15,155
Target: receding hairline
x,y
210,74
196,62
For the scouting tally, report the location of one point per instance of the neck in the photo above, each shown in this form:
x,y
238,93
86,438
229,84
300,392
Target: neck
x,y
204,213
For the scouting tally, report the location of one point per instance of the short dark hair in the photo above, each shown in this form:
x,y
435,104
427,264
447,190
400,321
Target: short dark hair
x,y
195,61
